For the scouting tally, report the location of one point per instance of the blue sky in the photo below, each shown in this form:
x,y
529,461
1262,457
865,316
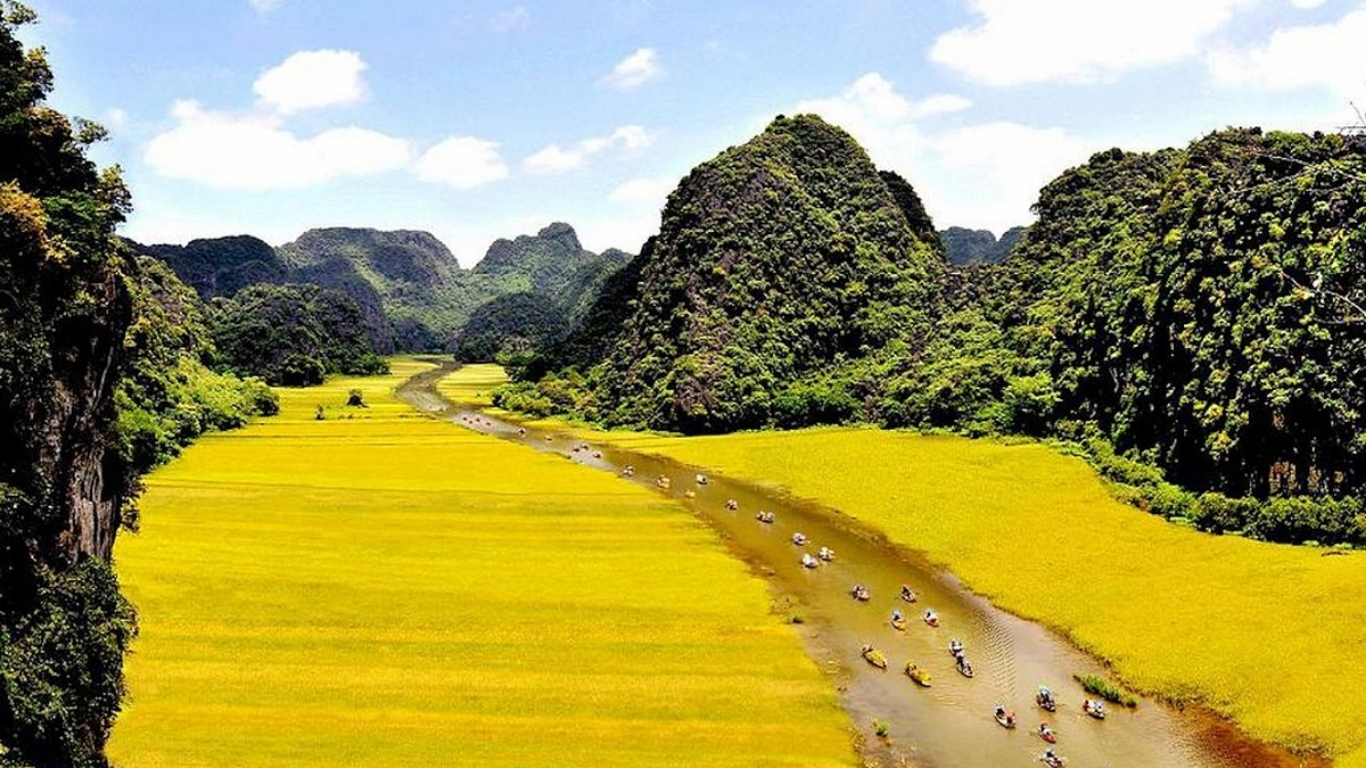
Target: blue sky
x,y
476,120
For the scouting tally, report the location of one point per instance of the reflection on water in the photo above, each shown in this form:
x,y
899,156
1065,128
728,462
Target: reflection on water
x,y
951,722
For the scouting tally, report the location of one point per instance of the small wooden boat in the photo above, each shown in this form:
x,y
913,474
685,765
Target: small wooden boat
x,y
799,539
931,618
1045,699
860,593
907,595
920,676
874,656
732,504
597,454
1094,707
764,517
899,624
827,554
1052,760
1005,718
690,494
628,471
964,667
1046,733
701,479
663,481
809,562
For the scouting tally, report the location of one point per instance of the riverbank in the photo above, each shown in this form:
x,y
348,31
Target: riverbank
x,y
379,588
1268,635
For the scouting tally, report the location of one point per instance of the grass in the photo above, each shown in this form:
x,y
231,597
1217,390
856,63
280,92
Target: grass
x,y
1269,635
1099,686
381,589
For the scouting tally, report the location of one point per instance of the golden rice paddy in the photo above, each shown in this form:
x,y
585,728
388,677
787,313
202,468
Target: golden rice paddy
x,y
377,588
1272,636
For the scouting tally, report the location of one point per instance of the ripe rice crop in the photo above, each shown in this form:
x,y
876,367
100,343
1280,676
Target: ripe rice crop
x,y
1273,636
377,588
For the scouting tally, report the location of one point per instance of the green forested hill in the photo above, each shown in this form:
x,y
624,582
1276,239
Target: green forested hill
x,y
1201,307
967,247
780,263
221,266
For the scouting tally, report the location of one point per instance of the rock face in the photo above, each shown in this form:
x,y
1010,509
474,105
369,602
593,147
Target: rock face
x,y
969,247
775,261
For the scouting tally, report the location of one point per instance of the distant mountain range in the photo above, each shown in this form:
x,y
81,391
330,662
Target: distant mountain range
x,y
968,247
411,291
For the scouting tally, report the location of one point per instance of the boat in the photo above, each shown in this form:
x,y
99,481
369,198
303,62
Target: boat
x,y
690,494
1046,733
663,481
860,593
628,471
732,504
1052,759
827,554
907,594
764,517
920,676
701,479
898,623
799,539
521,431
810,562
964,667
1045,699
1004,717
874,656
597,454
931,618
956,648
1094,707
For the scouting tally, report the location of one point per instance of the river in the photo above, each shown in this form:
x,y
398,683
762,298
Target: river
x,y
950,723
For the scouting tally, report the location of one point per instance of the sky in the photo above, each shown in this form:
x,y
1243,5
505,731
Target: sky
x,y
476,120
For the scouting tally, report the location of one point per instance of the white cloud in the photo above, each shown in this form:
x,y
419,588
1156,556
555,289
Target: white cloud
x,y
1080,41
256,152
1326,56
643,192
116,118
311,79
265,6
984,175
462,162
558,159
512,20
634,71
1307,3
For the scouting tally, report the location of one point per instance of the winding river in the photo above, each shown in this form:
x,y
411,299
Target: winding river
x,y
949,724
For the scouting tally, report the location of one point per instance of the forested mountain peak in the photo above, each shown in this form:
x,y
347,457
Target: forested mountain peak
x,y
968,247
775,261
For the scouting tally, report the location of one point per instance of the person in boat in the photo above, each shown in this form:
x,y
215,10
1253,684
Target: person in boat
x,y
906,593
896,614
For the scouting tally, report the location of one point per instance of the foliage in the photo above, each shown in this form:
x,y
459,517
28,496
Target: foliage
x,y
776,261
969,247
395,605
510,324
64,311
1099,686
292,335
170,396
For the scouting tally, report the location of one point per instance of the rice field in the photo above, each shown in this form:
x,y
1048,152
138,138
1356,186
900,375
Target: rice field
x,y
1272,636
380,589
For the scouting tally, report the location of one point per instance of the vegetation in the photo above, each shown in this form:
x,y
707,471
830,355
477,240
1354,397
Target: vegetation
x,y
780,265
513,325
170,396
66,308
402,589
973,247
292,335
1180,614
1103,688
